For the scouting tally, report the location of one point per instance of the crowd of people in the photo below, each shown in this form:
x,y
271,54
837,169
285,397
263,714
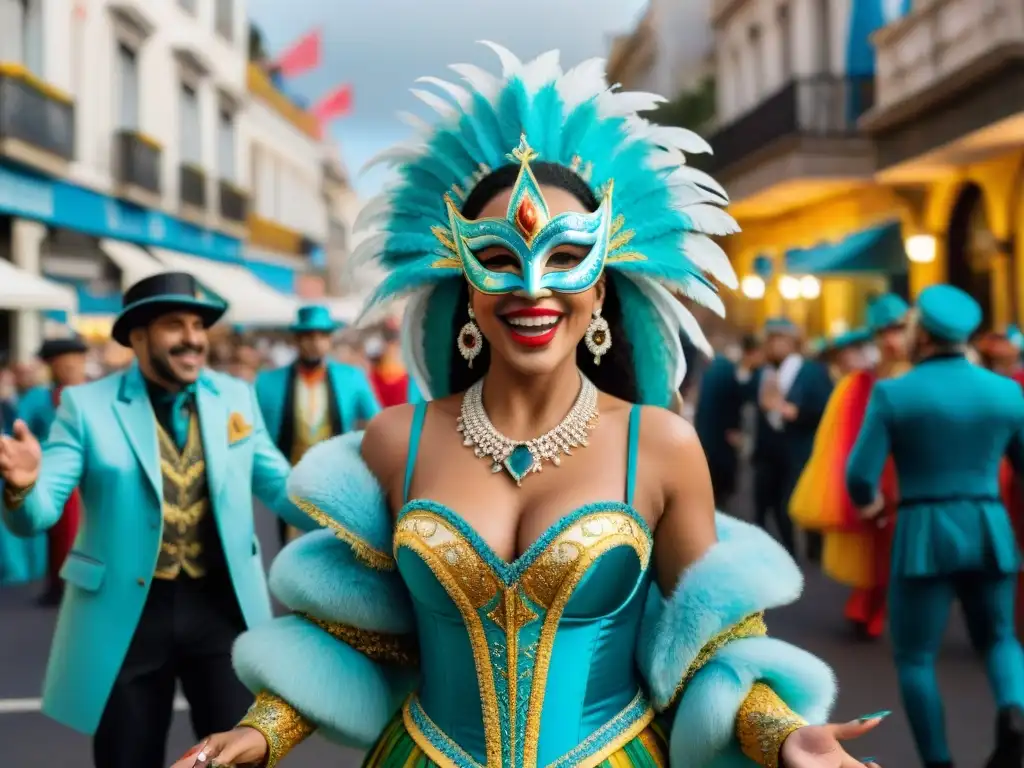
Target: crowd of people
x,y
522,564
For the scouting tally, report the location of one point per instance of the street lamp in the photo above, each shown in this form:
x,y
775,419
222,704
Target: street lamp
x,y
752,287
810,287
921,248
789,288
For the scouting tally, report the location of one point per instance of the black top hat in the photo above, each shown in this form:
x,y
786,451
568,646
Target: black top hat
x,y
68,345
160,294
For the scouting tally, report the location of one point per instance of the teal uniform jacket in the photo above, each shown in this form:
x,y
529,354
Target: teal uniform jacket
x,y
21,560
947,446
719,408
809,392
351,406
104,442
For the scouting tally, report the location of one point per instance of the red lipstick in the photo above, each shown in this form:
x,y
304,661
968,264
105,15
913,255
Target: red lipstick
x,y
536,335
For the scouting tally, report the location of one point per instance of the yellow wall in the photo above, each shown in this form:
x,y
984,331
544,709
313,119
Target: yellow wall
x,y
824,222
1000,181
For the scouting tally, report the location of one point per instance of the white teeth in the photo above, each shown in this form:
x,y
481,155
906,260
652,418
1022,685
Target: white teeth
x,y
544,323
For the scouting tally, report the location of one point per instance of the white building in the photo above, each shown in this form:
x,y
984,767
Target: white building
x,y
128,112
669,51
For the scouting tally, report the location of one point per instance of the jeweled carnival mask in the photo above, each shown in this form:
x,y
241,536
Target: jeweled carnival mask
x,y
532,235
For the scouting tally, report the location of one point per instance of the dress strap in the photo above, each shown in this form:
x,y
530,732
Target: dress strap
x,y
634,441
414,447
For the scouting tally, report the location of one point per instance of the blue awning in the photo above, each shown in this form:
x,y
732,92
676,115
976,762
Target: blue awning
x,y
877,250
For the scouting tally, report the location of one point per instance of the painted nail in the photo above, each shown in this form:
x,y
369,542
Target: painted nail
x,y
867,760
881,715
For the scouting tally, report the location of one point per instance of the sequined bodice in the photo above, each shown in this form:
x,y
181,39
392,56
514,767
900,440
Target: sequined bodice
x,y
545,643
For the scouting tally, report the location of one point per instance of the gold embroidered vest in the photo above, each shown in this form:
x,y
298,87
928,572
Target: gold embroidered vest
x,y
305,435
190,541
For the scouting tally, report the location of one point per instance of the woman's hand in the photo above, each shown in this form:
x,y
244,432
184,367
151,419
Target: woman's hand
x,y
818,746
240,747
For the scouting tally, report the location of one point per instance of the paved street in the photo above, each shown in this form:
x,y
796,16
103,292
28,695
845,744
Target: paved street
x,y
866,678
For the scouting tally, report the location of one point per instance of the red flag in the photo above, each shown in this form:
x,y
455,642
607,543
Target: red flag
x,y
335,104
303,56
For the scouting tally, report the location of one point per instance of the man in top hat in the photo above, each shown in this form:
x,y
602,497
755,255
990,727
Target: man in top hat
x,y
314,398
947,423
166,570
65,356
770,457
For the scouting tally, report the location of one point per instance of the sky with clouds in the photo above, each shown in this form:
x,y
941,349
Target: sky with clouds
x,y
381,47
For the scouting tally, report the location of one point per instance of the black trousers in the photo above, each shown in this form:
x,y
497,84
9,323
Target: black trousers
x,y
185,633
771,498
723,482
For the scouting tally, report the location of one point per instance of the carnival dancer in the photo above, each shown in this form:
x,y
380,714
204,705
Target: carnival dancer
x,y
726,386
947,423
538,307
314,398
166,569
769,459
65,357
856,551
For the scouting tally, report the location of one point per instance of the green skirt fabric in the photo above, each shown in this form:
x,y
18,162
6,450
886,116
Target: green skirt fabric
x,y
396,749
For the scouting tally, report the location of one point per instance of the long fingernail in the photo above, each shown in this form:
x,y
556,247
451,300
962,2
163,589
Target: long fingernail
x,y
867,760
881,715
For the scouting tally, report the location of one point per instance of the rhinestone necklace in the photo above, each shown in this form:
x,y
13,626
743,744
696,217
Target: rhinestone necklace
x,y
521,457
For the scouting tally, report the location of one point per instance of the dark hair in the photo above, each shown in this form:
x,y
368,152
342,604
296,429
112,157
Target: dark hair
x,y
750,343
616,374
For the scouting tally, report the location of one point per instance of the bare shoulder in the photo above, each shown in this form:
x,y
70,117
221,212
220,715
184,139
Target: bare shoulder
x,y
666,434
386,442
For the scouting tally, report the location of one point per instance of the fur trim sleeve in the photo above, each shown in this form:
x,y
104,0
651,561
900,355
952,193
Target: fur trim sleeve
x,y
705,647
333,485
346,658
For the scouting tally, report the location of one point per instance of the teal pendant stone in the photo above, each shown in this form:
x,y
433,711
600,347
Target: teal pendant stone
x,y
519,463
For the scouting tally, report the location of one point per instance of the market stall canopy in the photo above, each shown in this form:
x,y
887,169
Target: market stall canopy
x,y
251,302
135,262
21,290
877,250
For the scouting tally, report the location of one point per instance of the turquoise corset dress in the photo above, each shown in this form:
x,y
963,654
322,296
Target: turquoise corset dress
x,y
529,663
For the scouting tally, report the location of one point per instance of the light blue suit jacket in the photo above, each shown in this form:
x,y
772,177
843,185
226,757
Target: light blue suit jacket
x,y
352,392
37,410
104,442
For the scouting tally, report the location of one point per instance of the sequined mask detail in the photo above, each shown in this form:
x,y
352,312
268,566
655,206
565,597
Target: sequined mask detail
x,y
530,233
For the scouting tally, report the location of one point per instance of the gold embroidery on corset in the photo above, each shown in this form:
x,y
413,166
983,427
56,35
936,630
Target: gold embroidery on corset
x,y
186,504
471,585
549,582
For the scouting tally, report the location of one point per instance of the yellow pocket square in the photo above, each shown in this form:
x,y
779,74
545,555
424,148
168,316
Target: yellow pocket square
x,y
238,428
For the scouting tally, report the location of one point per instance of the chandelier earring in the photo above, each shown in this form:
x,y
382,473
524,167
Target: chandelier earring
x,y
599,336
470,340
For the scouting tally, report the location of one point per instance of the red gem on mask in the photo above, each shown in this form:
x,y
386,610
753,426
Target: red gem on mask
x,y
526,216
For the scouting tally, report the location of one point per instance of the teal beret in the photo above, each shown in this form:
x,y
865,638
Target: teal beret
x,y
885,311
948,313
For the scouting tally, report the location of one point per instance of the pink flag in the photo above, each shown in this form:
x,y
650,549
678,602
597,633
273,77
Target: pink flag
x,y
335,104
303,55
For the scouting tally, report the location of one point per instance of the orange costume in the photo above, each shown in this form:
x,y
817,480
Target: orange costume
x,y
856,551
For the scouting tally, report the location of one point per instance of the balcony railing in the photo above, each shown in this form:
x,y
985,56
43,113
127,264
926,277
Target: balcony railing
x,y
35,115
138,161
233,203
940,40
824,107
192,182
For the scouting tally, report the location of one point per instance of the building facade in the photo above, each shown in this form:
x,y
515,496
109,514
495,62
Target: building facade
x,y
127,130
948,125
